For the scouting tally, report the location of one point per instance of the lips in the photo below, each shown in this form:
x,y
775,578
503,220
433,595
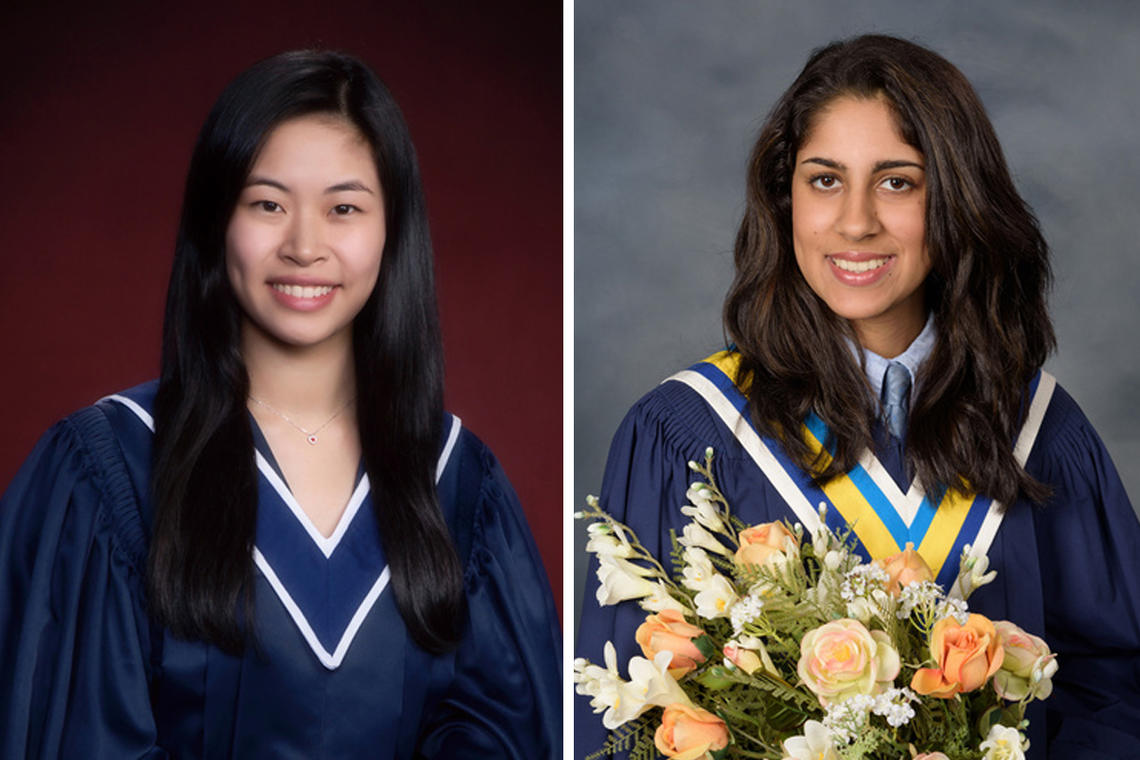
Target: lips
x,y
302,291
302,296
859,269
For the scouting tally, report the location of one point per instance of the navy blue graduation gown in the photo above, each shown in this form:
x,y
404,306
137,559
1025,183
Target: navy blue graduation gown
x,y
333,672
1068,571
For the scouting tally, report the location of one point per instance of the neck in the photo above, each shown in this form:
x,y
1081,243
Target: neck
x,y
888,338
310,381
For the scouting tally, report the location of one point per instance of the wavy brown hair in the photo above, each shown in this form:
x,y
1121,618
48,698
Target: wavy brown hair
x,y
987,287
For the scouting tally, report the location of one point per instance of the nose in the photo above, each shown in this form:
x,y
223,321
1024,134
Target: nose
x,y
858,218
303,244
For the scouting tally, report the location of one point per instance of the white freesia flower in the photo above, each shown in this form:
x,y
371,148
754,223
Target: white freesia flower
x,y
1004,743
702,508
698,571
695,535
621,580
972,575
650,685
661,599
602,685
716,599
817,743
605,539
650,681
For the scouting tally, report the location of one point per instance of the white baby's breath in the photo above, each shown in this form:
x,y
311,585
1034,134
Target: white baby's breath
x,y
861,580
894,705
847,719
746,609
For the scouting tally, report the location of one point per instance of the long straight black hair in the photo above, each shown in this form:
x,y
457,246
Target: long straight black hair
x,y
200,573
987,288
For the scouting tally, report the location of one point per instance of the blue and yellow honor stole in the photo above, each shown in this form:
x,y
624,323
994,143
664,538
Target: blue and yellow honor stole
x,y
883,518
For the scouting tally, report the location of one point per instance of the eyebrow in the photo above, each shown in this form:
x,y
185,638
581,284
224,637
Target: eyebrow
x,y
878,167
340,187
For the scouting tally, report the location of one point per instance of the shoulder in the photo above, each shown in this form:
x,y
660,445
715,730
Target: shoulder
x,y
688,411
1061,424
77,483
469,482
480,506
1067,452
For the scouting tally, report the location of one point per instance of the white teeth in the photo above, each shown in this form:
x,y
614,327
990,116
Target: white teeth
x,y
859,266
307,291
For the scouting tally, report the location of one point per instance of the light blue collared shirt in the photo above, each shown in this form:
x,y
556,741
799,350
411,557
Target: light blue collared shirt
x,y
912,358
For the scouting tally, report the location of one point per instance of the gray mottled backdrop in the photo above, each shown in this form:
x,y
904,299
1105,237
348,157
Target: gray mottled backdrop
x,y
670,93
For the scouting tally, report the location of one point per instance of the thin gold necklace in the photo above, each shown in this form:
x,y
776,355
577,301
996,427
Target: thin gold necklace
x,y
310,435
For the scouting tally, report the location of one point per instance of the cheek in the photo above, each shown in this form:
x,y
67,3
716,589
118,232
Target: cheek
x,y
809,218
245,247
908,225
363,251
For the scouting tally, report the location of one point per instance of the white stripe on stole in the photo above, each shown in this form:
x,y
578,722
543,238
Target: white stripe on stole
x,y
1025,440
134,406
805,511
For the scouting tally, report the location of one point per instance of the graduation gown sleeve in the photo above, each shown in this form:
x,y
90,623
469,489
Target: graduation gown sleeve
x,y
645,482
74,637
504,699
1088,547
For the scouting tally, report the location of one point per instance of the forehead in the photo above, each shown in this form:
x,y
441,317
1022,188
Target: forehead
x,y
857,126
316,146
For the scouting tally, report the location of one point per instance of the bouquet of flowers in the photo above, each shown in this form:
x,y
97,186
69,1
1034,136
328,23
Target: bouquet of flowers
x,y
766,643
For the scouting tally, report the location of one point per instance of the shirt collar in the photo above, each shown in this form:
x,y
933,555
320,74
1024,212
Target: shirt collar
x,y
912,358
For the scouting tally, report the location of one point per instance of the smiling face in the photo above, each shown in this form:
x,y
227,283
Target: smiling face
x,y
858,221
303,245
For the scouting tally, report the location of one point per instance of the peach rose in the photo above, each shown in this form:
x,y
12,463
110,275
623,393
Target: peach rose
x,y
905,568
763,544
1025,654
930,756
966,656
686,732
667,631
842,658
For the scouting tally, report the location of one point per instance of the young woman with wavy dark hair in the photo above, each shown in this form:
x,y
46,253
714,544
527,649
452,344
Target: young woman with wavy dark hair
x,y
888,325
285,547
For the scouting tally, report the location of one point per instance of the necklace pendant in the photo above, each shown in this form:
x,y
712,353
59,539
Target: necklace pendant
x,y
312,440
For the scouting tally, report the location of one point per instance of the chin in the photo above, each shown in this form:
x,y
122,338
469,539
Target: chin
x,y
857,308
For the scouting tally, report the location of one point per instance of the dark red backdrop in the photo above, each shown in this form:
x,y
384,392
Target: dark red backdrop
x,y
99,108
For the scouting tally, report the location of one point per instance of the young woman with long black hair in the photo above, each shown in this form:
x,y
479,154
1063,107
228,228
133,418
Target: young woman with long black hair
x,y
888,325
285,547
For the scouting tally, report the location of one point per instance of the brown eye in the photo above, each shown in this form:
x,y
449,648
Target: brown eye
x,y
269,206
824,181
898,183
344,209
